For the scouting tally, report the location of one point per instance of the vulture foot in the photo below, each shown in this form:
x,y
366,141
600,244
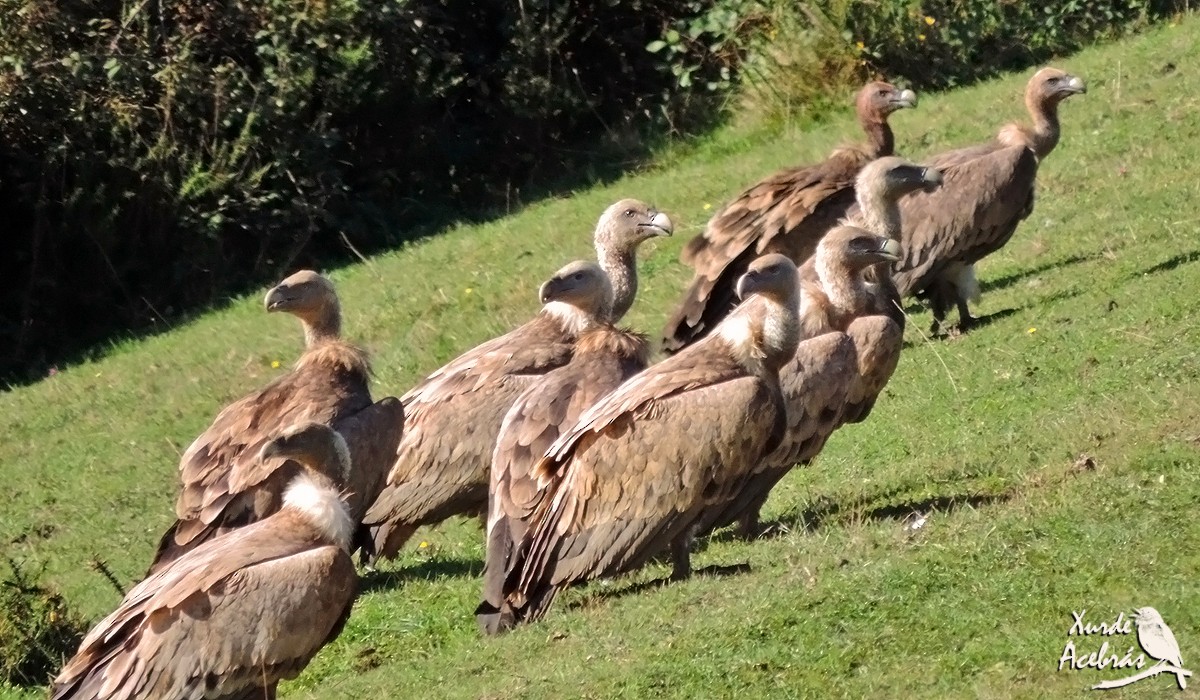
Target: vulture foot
x,y
749,528
681,557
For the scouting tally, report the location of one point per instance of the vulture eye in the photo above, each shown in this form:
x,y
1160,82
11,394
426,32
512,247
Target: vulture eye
x,y
578,276
629,213
884,93
1053,80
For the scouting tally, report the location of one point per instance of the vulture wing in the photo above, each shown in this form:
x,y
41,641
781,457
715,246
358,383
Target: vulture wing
x,y
786,213
973,214
604,358
441,467
224,484
240,612
815,385
877,344
372,435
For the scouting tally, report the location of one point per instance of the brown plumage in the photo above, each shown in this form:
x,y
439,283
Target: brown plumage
x,y
640,467
834,285
786,213
224,482
453,416
605,356
240,612
988,190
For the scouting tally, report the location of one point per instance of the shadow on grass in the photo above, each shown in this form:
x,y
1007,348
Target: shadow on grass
x,y
826,511
1169,264
980,322
1012,278
614,592
432,570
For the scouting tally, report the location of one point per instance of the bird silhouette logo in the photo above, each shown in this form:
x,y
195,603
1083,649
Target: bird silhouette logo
x,y
1158,642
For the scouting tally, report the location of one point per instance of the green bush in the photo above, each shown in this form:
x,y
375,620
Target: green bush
x,y
811,53
37,630
156,156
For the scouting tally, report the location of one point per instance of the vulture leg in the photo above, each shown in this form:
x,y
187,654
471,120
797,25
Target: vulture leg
x,y
681,555
749,525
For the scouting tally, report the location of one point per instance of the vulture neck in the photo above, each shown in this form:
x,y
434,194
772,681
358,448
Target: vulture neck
x,y
322,326
880,140
845,287
763,332
314,498
573,319
621,268
1043,137
880,213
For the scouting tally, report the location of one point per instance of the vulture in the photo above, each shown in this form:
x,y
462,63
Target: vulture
x,y
226,483
988,190
241,611
641,466
841,365
604,357
453,416
786,213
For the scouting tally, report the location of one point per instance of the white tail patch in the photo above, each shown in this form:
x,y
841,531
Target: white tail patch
x,y
967,285
323,507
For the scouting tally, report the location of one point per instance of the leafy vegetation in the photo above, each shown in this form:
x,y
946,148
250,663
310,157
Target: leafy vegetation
x,y
37,629
1052,452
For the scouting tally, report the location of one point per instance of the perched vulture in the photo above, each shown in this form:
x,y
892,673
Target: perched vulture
x,y
988,190
226,484
454,415
833,377
240,612
786,213
605,356
640,467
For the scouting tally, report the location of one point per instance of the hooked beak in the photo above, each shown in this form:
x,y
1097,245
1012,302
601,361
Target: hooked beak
x,y
932,177
747,284
1075,86
906,98
276,298
549,290
890,250
659,225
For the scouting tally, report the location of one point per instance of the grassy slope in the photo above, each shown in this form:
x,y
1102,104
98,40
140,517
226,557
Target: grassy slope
x,y
847,602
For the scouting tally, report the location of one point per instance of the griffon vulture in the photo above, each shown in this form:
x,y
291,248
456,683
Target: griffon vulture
x,y
988,191
786,213
641,466
226,484
605,356
834,375
249,607
453,416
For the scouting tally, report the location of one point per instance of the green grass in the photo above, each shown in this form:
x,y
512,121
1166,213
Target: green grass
x,y
1098,354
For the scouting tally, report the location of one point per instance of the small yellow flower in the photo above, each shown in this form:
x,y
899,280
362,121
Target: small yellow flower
x,y
920,37
707,206
275,364
861,46
423,545
929,20
1031,331
468,291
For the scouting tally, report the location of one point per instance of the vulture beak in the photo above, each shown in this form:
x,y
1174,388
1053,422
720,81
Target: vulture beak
x,y
272,449
906,98
550,290
660,225
276,298
747,284
890,250
932,177
1075,86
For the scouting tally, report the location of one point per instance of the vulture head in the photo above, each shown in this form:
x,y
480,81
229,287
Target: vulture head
x,y
1049,86
879,99
310,297
582,285
621,229
624,225
772,275
893,177
316,446
852,249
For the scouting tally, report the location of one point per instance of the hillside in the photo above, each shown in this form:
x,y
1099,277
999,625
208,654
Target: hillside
x,y
1054,450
